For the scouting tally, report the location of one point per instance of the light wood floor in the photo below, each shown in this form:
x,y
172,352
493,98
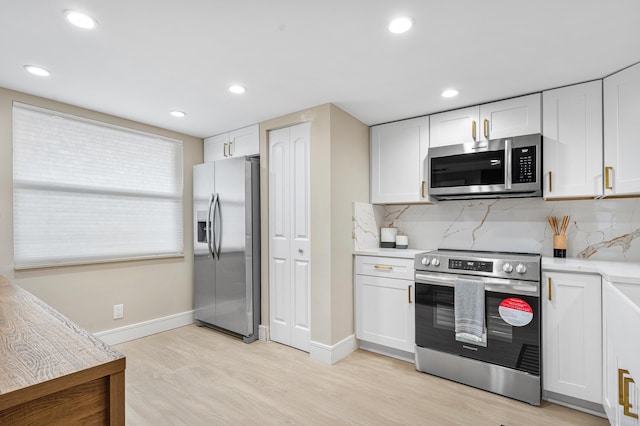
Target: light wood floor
x,y
197,376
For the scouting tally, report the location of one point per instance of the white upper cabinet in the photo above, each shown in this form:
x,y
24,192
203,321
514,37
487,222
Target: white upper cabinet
x,y
398,151
511,117
215,147
495,120
621,132
244,141
572,138
454,127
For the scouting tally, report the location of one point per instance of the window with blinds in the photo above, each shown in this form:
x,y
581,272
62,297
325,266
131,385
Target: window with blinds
x,y
86,191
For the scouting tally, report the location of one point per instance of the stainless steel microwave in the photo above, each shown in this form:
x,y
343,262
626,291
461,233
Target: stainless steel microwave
x,y
499,168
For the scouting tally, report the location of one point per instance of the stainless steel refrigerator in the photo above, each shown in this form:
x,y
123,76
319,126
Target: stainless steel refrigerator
x,y
226,196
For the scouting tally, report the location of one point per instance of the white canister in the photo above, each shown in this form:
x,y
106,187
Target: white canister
x,y
388,237
402,241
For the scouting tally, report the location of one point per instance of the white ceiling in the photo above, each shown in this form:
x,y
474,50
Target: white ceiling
x,y
147,57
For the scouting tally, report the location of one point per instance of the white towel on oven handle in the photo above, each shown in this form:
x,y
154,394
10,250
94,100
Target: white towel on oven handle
x,y
469,310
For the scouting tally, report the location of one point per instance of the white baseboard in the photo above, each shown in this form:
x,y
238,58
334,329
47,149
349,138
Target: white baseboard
x,y
386,351
263,333
332,354
145,328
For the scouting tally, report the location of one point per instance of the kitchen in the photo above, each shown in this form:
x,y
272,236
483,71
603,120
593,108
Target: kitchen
x,y
163,288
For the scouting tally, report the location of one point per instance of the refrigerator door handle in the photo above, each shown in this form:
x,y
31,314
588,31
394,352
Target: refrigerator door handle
x,y
209,227
216,206
214,250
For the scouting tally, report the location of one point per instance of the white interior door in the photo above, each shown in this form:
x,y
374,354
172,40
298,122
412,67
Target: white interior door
x,y
289,236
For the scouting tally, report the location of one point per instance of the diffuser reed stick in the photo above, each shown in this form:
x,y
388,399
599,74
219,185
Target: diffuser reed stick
x,y
559,235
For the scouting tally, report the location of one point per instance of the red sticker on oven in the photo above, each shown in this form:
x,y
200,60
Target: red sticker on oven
x,y
515,312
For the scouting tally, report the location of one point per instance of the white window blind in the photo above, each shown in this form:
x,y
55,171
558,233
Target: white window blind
x,y
86,191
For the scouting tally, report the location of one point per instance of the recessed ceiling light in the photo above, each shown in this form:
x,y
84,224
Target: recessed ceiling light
x,y
401,25
177,113
80,19
450,93
35,70
237,89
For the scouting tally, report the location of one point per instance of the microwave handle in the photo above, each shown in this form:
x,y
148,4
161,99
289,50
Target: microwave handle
x,y
508,159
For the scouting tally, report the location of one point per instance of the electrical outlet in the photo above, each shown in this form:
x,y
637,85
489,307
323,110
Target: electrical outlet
x,y
118,311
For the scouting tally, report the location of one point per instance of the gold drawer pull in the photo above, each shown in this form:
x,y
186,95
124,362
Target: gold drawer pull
x,y
486,128
550,181
423,189
473,130
549,285
409,294
383,267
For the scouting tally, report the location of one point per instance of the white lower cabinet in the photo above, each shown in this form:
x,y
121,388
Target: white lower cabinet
x,y
621,356
572,337
384,302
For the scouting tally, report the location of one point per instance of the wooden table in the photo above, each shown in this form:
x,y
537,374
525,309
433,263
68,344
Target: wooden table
x,y
51,370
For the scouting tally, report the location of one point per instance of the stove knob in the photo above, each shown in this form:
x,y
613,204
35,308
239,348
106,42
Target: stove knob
x,y
435,262
425,261
507,268
521,269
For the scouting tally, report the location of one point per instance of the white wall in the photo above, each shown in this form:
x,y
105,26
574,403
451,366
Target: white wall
x,y
149,289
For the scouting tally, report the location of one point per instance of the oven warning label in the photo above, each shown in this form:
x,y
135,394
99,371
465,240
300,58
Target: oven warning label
x,y
515,312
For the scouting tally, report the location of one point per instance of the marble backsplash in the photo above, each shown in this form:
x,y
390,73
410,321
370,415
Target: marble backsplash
x,y
599,229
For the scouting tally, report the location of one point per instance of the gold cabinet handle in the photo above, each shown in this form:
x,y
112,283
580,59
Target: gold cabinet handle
x,y
607,182
550,181
627,405
485,123
623,393
383,267
422,190
621,374
549,287
473,130
409,294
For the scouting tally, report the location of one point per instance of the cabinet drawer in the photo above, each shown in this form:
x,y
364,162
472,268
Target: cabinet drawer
x,y
389,267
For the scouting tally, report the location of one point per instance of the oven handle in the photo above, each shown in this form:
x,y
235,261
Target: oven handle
x,y
495,285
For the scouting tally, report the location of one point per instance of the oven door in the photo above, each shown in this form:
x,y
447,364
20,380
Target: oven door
x,y
512,319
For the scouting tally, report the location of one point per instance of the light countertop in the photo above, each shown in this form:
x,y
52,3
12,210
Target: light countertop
x,y
390,252
616,272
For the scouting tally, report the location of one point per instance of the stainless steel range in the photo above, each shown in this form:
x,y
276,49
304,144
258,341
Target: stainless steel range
x,y
478,320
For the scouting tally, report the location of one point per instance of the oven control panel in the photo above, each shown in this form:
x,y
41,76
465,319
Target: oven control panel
x,y
471,265
516,266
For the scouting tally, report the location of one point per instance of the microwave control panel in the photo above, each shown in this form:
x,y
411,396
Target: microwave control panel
x,y
524,164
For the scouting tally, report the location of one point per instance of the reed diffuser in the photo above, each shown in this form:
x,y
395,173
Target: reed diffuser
x,y
559,235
